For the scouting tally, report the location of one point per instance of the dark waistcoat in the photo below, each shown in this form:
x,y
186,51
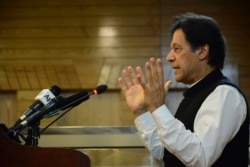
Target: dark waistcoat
x,y
235,153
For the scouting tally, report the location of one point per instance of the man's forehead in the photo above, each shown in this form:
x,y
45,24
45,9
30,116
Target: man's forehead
x,y
179,38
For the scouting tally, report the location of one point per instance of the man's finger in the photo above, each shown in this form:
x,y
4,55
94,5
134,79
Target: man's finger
x,y
159,71
167,85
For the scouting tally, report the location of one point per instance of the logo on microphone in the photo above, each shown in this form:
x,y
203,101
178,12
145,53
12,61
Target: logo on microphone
x,y
47,97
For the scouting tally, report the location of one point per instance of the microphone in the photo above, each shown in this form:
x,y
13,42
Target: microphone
x,y
78,98
42,99
68,102
100,89
58,103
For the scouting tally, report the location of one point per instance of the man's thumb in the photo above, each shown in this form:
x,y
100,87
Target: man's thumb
x,y
167,85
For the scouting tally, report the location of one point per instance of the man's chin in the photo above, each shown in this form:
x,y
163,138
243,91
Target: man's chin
x,y
178,78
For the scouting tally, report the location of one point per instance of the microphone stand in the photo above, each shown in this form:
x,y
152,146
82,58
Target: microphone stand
x,y
29,136
33,135
36,134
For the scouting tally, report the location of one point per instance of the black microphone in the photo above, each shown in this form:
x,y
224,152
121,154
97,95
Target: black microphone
x,y
100,89
52,105
42,99
71,103
56,104
76,99
68,102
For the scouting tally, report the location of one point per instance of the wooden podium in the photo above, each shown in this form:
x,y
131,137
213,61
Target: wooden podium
x,y
13,154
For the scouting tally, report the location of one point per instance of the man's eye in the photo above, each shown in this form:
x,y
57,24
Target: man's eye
x,y
177,49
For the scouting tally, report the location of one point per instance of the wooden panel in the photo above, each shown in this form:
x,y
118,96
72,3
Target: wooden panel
x,y
31,77
12,78
4,79
88,71
82,10
24,3
80,44
79,21
112,68
108,113
8,108
77,53
51,74
42,77
22,77
216,9
85,114
83,32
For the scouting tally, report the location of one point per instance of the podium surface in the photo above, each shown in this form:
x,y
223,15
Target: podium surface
x,y
17,155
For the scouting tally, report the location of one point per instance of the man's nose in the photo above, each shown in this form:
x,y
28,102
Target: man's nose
x,y
170,56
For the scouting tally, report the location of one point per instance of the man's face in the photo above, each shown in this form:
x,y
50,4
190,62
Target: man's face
x,y
184,61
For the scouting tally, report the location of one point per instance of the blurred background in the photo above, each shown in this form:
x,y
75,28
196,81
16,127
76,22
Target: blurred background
x,y
80,44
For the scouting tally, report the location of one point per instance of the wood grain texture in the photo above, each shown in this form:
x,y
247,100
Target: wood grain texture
x,y
80,44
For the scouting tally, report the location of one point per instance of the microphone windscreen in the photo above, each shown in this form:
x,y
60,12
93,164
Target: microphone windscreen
x,y
56,90
100,89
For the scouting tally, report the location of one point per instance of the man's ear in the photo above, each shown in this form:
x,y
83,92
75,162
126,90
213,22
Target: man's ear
x,y
203,52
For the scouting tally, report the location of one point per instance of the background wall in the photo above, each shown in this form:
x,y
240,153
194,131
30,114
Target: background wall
x,y
78,44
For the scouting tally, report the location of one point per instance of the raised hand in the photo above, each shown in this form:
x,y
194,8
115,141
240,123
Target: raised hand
x,y
133,90
142,95
154,90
